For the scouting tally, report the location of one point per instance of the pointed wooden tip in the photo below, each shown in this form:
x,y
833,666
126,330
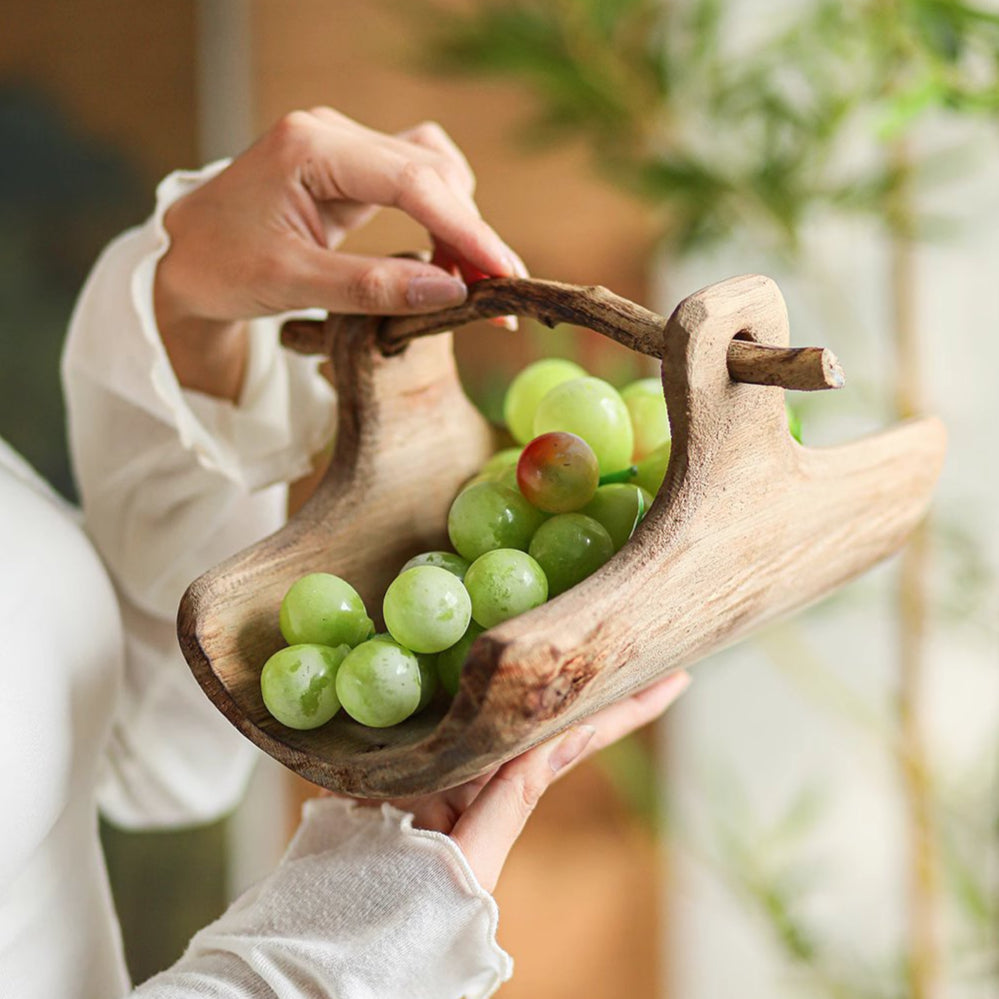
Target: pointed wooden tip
x,y
832,370
803,369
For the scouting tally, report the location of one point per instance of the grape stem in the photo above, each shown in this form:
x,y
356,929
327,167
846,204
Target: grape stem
x,y
624,475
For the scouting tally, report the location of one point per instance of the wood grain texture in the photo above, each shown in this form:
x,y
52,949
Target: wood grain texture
x,y
747,525
805,369
596,308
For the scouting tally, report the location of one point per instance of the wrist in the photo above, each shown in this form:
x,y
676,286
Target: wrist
x,y
208,354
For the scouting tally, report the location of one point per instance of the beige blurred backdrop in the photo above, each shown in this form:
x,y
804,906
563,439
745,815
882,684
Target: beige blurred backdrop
x,y
172,85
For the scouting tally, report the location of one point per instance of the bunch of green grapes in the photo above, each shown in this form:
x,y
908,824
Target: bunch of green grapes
x,y
591,461
437,604
536,520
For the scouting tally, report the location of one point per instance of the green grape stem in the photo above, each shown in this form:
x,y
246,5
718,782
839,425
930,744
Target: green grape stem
x,y
624,475
639,513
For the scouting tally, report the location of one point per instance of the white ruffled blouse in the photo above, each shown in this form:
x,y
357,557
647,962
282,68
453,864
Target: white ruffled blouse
x,y
99,709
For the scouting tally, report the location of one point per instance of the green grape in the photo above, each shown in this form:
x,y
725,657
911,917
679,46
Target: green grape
x,y
426,608
558,472
379,683
500,462
443,560
652,470
475,480
497,469
529,388
649,421
450,661
323,609
591,409
487,516
619,507
793,423
504,583
508,478
298,684
428,670
570,547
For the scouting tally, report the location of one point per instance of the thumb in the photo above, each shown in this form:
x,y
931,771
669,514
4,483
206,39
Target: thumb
x,y
380,286
490,826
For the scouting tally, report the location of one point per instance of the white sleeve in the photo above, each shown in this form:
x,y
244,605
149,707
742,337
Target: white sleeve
x,y
363,906
172,482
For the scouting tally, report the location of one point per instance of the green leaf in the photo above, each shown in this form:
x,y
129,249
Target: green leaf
x,y
794,423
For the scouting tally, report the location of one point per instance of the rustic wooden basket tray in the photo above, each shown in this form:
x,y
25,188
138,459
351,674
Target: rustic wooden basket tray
x,y
747,525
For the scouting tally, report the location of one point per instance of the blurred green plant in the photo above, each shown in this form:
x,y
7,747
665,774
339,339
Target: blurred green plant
x,y
750,129
637,80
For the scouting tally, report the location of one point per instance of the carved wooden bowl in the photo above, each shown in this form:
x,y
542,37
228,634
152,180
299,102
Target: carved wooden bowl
x,y
747,525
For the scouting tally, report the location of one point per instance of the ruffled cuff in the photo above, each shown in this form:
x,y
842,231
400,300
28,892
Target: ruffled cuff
x,y
361,905
286,412
267,437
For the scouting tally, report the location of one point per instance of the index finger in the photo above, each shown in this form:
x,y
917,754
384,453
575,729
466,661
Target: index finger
x,y
360,167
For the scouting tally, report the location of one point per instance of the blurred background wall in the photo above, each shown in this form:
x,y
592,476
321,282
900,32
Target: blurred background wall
x,y
798,863
97,101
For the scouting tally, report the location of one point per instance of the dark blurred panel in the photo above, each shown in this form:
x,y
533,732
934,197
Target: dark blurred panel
x,y
121,71
97,102
63,195
166,887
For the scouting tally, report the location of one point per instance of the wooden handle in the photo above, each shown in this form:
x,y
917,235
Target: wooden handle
x,y
594,307
805,369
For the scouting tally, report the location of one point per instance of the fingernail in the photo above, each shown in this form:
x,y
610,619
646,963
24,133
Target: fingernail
x,y
570,746
679,682
507,322
434,292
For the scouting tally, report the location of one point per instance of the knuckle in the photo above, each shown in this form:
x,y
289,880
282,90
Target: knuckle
x,y
524,792
432,133
416,180
371,289
293,130
294,122
328,114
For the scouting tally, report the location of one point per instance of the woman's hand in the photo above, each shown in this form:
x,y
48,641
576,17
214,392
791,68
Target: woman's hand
x,y
262,236
485,816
